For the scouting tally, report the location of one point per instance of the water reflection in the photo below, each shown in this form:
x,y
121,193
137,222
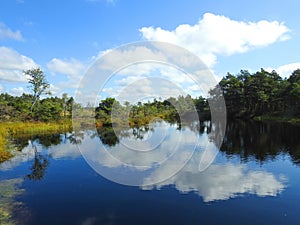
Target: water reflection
x,y
261,141
40,164
39,149
221,181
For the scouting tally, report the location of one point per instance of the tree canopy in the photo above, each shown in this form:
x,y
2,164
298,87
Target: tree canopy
x,y
246,95
37,83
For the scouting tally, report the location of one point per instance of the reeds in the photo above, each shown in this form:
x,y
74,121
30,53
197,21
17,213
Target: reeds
x,y
10,130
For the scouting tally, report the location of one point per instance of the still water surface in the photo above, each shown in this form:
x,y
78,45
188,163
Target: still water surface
x,y
255,178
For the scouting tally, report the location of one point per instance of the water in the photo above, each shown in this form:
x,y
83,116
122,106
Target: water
x,y
253,180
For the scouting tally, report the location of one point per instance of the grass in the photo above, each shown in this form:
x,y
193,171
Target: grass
x,y
24,129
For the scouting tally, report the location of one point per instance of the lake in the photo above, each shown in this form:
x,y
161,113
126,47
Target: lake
x,y
81,177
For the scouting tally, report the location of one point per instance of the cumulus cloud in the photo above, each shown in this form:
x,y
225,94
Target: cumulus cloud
x,y
7,33
64,151
25,155
128,55
147,88
17,91
215,35
153,68
12,64
286,70
72,67
155,148
121,67
217,182
223,181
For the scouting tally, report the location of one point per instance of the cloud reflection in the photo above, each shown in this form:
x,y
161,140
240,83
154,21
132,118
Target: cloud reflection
x,y
217,182
222,181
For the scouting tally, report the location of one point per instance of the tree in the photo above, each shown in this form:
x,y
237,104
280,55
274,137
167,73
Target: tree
x,y
37,83
64,99
49,110
70,104
106,105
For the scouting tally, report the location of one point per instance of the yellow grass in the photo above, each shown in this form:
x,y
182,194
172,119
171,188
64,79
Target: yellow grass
x,y
17,129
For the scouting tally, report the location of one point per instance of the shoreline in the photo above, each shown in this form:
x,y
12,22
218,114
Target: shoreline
x,y
30,128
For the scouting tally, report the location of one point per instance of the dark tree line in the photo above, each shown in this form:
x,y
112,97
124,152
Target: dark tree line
x,y
261,93
19,108
141,113
246,95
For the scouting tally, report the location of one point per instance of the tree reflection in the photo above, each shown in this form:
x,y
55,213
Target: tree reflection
x,y
246,139
50,139
38,169
44,139
262,141
75,137
108,136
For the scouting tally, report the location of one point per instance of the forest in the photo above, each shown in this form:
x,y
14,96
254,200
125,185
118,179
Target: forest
x,y
261,95
258,95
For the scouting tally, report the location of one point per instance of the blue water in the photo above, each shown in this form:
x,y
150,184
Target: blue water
x,y
234,190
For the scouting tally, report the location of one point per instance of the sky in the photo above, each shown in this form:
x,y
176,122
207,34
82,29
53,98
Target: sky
x,y
64,38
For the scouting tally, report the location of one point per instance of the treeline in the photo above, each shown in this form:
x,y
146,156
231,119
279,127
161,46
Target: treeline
x,y
28,107
112,111
19,108
246,95
261,93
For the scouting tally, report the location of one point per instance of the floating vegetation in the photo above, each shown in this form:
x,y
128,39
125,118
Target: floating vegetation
x,y
9,190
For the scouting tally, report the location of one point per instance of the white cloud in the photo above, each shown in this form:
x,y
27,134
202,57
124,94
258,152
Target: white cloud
x,y
71,68
217,182
17,91
2,89
7,33
135,89
119,68
158,148
132,81
127,56
286,70
223,181
215,35
25,155
64,151
12,64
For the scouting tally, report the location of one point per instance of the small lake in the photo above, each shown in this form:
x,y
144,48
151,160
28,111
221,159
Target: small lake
x,y
79,178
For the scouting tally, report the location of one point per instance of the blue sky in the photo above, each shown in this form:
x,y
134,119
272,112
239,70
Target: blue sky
x,y
65,37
